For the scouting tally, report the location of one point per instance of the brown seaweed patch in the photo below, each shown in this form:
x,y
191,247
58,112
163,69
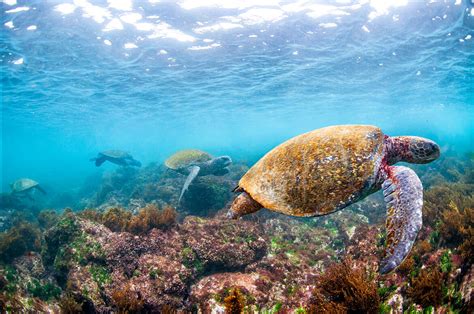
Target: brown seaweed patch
x,y
343,289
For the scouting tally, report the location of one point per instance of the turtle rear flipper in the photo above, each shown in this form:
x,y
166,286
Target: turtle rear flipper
x,y
193,172
403,195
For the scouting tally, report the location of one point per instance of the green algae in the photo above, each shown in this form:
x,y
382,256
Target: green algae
x,y
100,275
445,261
45,291
11,277
385,291
154,273
385,308
191,260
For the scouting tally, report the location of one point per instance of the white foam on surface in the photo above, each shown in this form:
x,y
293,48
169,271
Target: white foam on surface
x,y
122,5
130,46
9,2
19,9
204,47
217,27
65,8
328,25
114,24
261,15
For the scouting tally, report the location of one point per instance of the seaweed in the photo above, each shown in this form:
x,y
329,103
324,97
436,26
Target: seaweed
x,y
167,309
10,304
69,305
45,291
445,262
406,266
438,198
151,217
9,280
19,239
127,300
343,287
457,229
116,219
47,219
320,304
234,303
452,224
100,275
62,233
426,288
385,291
91,214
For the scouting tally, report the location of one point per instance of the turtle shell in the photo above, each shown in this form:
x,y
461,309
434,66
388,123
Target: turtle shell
x,y
21,185
118,154
185,158
318,172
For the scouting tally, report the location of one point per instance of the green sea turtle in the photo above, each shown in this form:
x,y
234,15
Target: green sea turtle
x,y
193,163
23,187
117,157
325,170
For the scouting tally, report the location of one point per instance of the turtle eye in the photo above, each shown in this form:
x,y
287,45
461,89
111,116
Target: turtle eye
x,y
433,150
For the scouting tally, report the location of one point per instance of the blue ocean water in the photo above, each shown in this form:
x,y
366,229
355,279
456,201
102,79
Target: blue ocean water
x,y
228,77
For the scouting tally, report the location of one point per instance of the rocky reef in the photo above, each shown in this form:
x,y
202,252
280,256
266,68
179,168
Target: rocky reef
x,y
133,188
152,258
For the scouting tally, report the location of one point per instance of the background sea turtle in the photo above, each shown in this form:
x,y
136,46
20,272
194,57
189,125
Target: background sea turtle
x,y
24,186
325,170
193,163
117,157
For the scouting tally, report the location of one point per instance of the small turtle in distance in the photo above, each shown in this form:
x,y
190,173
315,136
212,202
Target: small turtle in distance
x,y
117,157
24,187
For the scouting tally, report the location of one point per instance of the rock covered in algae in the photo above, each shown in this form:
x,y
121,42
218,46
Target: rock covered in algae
x,y
97,265
274,262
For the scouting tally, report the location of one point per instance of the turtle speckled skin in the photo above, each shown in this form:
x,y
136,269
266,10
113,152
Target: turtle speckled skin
x,y
325,170
117,157
24,186
193,163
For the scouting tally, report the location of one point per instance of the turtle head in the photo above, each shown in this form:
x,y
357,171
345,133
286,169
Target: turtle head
x,y
221,162
412,149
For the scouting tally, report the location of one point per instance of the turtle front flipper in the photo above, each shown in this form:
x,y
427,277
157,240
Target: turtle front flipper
x,y
403,195
193,172
98,160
